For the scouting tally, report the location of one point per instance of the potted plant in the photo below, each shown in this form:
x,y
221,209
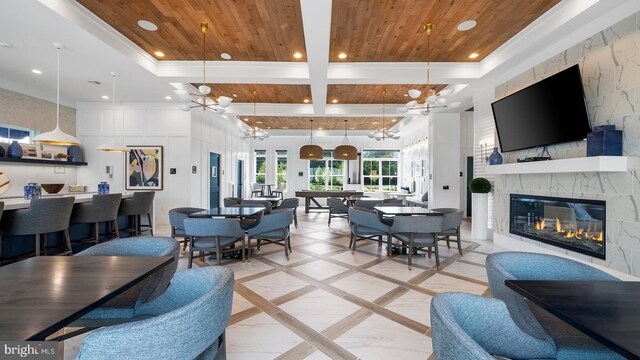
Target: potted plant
x,y
479,188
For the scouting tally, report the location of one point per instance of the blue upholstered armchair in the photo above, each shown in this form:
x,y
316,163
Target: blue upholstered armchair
x,y
186,322
336,209
571,344
274,228
471,327
366,225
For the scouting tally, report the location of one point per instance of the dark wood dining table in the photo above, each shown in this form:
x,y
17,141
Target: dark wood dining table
x,y
228,212
607,311
41,295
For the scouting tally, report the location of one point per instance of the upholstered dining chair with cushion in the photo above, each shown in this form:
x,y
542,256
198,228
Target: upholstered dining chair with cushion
x,y
337,209
102,208
44,216
273,228
418,233
186,322
367,204
123,306
176,220
266,204
140,204
451,226
366,225
471,327
292,204
256,189
230,201
213,235
279,190
570,343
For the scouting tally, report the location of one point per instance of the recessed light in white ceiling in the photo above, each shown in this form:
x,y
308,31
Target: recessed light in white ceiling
x,y
5,44
147,25
225,56
105,97
167,97
467,25
36,71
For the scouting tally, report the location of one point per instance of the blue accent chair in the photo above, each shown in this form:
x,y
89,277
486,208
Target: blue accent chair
x,y
418,233
451,226
123,306
186,322
213,235
471,327
336,209
176,219
571,344
366,225
274,228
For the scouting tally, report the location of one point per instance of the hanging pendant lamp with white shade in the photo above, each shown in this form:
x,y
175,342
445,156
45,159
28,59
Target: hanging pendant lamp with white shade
x,y
113,145
311,151
57,136
345,151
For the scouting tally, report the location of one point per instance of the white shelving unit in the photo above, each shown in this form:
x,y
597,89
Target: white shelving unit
x,y
585,164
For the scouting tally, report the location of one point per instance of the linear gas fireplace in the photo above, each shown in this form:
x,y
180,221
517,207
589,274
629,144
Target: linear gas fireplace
x,y
573,224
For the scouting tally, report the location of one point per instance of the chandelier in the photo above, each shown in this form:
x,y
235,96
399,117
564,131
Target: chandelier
x,y
202,100
311,151
345,151
254,133
384,133
433,99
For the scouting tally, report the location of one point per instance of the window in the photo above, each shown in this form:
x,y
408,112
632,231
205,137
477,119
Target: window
x,y
380,170
10,133
326,174
261,166
281,168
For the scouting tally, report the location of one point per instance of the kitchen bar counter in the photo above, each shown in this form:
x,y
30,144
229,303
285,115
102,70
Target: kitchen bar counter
x,y
16,203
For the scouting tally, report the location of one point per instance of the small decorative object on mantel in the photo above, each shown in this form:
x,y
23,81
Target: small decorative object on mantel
x,y
15,150
103,188
32,191
495,158
75,154
604,140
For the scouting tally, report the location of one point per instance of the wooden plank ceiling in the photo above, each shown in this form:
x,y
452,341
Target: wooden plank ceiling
x,y
319,123
372,94
391,30
267,93
249,30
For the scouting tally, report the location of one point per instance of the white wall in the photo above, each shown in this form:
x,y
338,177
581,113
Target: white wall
x,y
137,124
444,156
466,149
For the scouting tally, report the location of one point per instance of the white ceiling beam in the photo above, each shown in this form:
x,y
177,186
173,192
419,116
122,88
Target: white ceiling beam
x,y
306,110
402,73
235,72
316,22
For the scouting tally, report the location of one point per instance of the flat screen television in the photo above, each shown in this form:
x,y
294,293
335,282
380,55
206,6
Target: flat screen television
x,y
550,111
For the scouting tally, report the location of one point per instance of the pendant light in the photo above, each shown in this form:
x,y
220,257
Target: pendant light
x,y
113,146
255,132
57,136
384,133
345,151
311,151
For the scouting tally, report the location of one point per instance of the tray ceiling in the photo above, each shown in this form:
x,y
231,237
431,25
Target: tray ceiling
x,y
319,123
372,94
267,93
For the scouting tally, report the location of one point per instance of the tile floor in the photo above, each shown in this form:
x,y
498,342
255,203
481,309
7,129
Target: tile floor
x,y
327,303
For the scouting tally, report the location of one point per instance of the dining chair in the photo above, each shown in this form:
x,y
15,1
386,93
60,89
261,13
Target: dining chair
x,y
256,189
140,204
570,343
337,209
366,225
289,203
176,220
122,307
392,201
44,216
279,190
418,233
266,204
366,204
273,228
213,235
229,201
472,327
451,226
187,321
102,208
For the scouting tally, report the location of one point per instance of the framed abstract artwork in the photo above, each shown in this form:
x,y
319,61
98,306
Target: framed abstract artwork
x,y
144,167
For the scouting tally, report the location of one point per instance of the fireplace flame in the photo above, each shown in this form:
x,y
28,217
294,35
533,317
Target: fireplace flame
x,y
540,224
590,233
558,226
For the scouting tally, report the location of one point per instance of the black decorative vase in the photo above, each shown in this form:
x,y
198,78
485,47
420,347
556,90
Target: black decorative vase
x,y
15,150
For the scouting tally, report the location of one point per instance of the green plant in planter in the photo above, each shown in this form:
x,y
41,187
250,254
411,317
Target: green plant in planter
x,y
480,185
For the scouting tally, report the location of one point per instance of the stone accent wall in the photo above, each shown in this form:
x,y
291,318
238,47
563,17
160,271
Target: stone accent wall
x,y
610,66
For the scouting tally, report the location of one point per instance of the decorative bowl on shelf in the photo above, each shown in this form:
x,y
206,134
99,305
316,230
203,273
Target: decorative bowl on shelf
x,y
52,188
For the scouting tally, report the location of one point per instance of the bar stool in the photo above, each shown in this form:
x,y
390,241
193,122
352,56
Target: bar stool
x,y
140,204
44,216
102,208
176,219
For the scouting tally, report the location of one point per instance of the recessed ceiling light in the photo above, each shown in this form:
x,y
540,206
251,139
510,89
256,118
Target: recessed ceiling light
x,y
297,55
342,55
147,25
285,127
352,128
335,101
375,122
393,120
405,95
467,25
306,101
473,55
94,82
167,97
319,128
258,122
36,71
245,119
5,45
235,95
105,97
159,54
225,56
